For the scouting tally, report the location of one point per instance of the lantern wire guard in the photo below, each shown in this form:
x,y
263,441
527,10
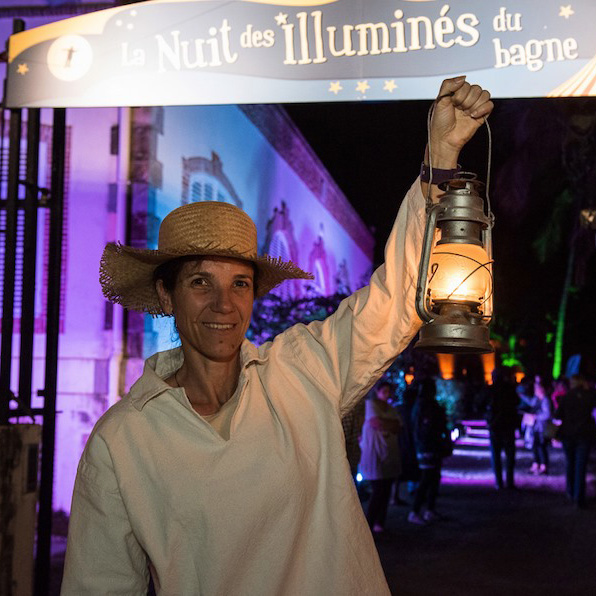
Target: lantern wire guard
x,y
458,321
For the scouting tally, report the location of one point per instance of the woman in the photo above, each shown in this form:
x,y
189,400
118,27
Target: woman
x,y
381,459
224,470
432,441
537,421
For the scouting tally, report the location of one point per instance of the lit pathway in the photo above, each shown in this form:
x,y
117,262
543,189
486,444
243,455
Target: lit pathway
x,y
526,542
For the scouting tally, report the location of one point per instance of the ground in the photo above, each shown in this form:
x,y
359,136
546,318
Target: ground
x,y
530,541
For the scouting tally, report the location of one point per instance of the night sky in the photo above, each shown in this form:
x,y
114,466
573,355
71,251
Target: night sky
x,y
373,151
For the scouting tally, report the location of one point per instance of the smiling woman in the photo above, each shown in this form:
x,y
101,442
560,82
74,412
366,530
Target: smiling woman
x,y
224,469
212,304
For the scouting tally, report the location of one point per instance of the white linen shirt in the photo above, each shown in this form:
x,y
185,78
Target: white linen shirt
x,y
271,511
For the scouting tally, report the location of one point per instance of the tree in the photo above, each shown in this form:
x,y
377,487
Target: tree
x,y
272,315
544,178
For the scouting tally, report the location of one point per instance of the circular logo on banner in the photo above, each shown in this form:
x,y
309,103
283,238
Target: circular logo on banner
x,y
70,57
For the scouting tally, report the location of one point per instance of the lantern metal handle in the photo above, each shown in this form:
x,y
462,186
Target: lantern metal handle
x,y
421,288
487,241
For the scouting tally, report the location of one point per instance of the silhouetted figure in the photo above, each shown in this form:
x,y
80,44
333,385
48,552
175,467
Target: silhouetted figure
x,y
432,442
578,432
410,472
502,418
380,462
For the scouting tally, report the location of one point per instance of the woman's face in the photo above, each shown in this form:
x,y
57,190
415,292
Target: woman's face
x,y
212,305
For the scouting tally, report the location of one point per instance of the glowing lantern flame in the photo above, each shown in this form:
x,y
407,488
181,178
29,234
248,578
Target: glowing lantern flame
x,y
459,272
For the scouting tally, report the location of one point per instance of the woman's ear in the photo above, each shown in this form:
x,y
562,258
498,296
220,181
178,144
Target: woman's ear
x,y
165,300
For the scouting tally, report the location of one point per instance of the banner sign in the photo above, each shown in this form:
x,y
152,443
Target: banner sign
x,y
176,52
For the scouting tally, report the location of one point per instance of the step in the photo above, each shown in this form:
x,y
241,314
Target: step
x,y
477,432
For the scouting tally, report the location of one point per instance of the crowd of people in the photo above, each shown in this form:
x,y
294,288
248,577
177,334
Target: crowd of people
x,y
400,442
542,412
393,442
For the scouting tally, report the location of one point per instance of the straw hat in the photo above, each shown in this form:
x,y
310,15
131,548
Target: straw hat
x,y
203,229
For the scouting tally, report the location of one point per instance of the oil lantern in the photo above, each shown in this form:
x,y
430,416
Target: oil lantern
x,y
455,281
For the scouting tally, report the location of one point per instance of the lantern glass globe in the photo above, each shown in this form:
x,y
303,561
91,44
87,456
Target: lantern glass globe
x,y
460,273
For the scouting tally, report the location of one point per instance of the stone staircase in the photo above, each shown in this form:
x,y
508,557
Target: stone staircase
x,y
471,463
475,434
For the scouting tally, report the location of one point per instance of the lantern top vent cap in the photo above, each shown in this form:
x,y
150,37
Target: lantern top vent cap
x,y
463,181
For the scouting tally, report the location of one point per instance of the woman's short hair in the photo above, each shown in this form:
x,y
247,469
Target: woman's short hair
x,y
169,271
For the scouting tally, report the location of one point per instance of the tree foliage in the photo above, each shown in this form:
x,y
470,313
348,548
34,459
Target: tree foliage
x,y
272,315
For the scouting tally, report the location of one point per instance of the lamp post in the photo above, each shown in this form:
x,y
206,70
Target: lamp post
x,y
455,281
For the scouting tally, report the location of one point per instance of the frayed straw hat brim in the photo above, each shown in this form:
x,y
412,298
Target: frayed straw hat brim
x,y
202,229
126,273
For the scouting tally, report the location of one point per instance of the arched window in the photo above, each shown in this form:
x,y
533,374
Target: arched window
x,y
280,242
279,248
342,278
318,284
203,179
196,194
319,267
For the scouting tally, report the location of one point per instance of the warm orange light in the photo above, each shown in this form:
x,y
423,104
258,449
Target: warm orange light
x,y
459,272
488,365
447,365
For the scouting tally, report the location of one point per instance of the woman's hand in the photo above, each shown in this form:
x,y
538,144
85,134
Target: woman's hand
x,y
459,111
457,115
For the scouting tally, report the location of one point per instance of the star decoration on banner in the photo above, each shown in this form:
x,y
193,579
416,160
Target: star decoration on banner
x,y
335,87
22,69
362,86
566,11
390,86
281,19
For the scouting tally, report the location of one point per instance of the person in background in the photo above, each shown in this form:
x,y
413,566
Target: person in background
x,y
381,458
410,473
560,388
352,424
502,418
578,433
537,418
433,443
525,388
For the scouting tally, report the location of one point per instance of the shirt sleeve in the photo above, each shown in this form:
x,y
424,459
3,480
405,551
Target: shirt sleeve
x,y
345,354
102,556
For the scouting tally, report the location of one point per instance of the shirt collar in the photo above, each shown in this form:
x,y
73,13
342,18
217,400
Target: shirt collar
x,y
163,365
